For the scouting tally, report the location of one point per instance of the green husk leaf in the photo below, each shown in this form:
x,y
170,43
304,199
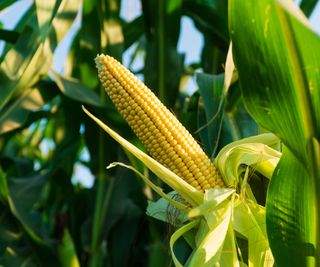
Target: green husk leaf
x,y
188,192
159,209
176,235
157,189
252,151
208,250
249,221
213,198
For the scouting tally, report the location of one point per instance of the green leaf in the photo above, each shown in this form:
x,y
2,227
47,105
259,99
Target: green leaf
x,y
31,100
9,36
45,11
23,64
272,90
213,198
24,193
67,252
31,56
188,192
63,20
280,86
163,65
307,6
176,235
159,209
210,17
216,131
73,89
249,221
123,237
255,151
208,251
4,191
6,3
166,198
132,31
291,214
55,18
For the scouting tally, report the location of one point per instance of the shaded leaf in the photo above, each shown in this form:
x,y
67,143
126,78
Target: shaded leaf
x,y
163,65
73,89
132,31
24,193
6,3
307,6
123,237
9,36
215,131
211,18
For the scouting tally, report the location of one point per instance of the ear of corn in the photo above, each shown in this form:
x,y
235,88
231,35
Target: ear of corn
x,y
158,129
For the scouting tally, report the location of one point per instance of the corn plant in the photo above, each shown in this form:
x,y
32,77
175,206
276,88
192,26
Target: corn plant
x,y
217,215
209,200
240,189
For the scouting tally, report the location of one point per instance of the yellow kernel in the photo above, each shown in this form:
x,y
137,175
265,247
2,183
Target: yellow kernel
x,y
158,129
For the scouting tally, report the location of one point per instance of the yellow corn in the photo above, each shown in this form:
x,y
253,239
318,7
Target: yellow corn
x,y
160,132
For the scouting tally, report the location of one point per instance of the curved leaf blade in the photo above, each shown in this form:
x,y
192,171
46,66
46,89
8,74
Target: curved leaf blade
x,y
280,85
281,97
291,214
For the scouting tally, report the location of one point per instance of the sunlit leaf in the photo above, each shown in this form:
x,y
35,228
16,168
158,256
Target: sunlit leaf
x,y
45,11
4,191
16,115
64,19
274,89
284,98
19,71
208,251
249,221
253,151
67,252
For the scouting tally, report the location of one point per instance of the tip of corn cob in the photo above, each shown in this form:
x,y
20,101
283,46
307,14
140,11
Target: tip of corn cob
x,y
158,129
99,60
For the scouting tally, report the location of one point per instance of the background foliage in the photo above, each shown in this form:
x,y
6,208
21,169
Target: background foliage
x,y
47,219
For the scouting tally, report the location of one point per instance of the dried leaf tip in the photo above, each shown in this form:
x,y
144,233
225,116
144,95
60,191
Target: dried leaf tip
x,y
161,133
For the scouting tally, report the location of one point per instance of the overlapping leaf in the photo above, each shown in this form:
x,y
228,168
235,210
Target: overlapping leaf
x,y
277,57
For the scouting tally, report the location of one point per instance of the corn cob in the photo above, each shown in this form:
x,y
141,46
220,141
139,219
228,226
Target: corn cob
x,y
160,132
